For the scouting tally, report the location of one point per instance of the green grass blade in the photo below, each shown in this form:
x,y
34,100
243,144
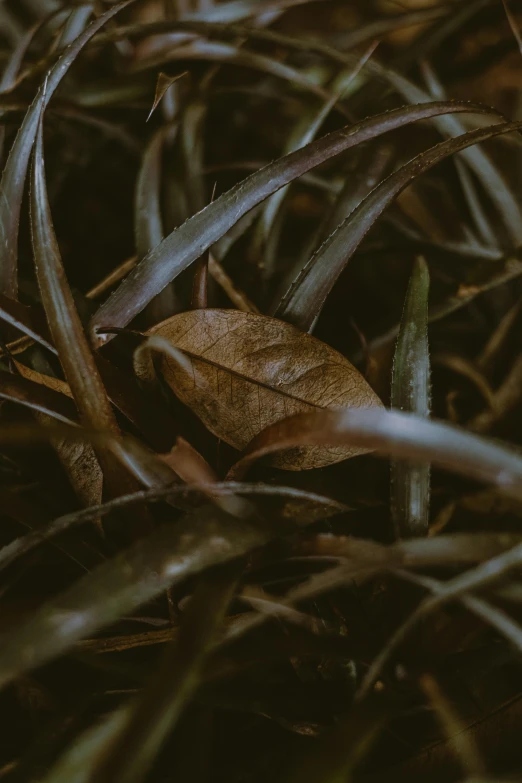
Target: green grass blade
x,y
410,392
26,320
158,710
318,507
37,397
401,435
188,242
14,175
148,218
64,322
269,226
223,53
476,159
75,25
303,302
204,538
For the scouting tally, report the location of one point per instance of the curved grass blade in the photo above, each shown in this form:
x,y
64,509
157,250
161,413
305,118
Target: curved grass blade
x,y
148,220
505,399
10,73
381,27
157,711
37,397
240,9
304,300
511,271
64,322
75,25
325,509
153,421
202,539
304,133
353,193
188,242
477,160
454,549
210,51
453,728
14,175
410,392
50,399
513,24
478,214
400,435
145,466
73,766
25,320
458,588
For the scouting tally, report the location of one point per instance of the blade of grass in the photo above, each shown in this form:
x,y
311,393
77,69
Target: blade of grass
x,y
209,51
193,157
10,73
476,159
188,242
400,435
304,300
75,25
37,397
410,391
157,711
304,133
506,399
202,539
513,24
66,328
507,206
382,27
452,726
21,546
14,175
511,270
148,218
454,549
458,588
64,322
350,196
480,218
25,320
240,9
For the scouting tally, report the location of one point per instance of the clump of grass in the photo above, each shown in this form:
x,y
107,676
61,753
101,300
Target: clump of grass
x,y
174,607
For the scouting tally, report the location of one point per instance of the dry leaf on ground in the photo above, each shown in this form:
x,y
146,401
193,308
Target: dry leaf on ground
x,y
249,371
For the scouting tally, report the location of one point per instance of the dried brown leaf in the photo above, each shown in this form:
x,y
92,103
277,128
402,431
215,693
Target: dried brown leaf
x,y
56,384
247,371
164,82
